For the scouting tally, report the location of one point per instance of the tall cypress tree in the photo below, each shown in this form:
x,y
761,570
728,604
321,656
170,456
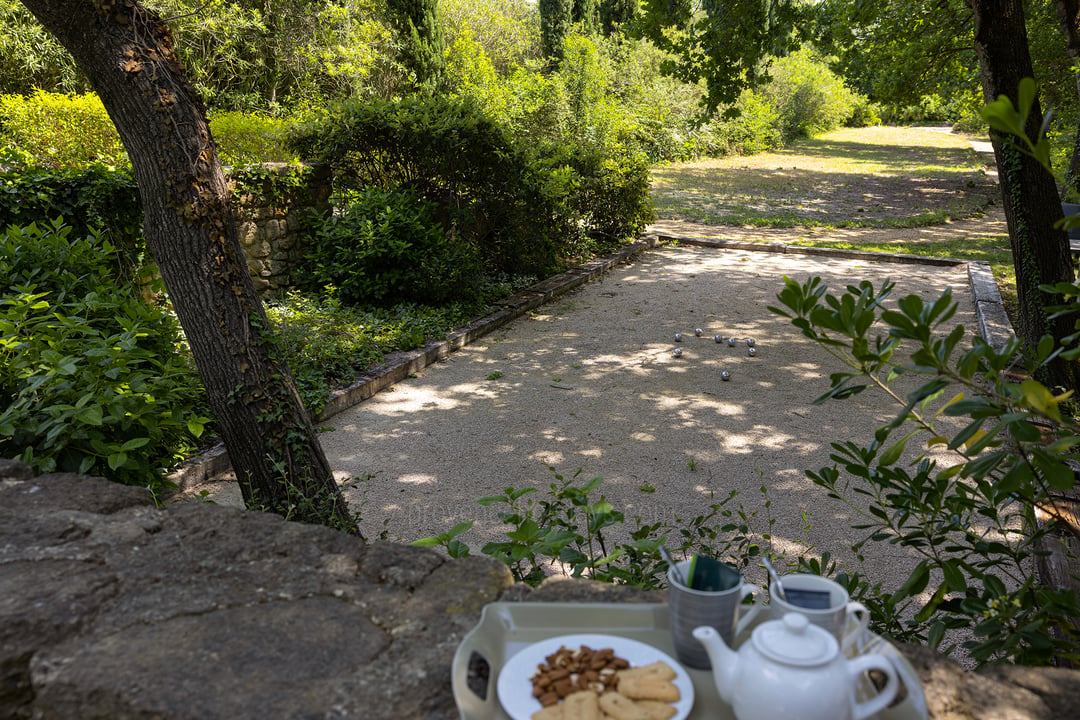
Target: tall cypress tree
x,y
614,14
416,24
556,17
585,15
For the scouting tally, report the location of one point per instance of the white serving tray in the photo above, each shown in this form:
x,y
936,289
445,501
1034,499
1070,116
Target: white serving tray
x,y
506,628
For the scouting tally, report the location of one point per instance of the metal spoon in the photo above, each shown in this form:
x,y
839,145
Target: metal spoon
x,y
775,578
676,574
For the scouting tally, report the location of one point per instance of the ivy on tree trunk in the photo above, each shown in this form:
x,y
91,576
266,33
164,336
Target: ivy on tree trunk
x,y
127,54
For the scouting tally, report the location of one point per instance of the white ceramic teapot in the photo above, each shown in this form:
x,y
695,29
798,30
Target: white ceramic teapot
x,y
792,670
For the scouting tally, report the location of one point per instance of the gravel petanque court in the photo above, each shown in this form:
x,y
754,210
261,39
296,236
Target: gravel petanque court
x,y
591,382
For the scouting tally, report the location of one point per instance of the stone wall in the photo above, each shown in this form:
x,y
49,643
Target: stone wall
x,y
270,223
113,608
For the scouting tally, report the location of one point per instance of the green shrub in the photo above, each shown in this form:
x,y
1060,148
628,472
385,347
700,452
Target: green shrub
x,y
487,188
611,196
754,127
808,97
95,199
60,131
91,380
250,138
969,511
388,247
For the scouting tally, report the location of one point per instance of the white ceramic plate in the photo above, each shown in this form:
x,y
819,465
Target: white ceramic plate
x,y
515,689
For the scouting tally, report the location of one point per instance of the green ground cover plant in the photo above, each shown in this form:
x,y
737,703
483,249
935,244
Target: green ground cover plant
x,y
92,379
327,344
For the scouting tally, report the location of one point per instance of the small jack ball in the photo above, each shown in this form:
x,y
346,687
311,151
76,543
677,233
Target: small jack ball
x,y
718,338
697,332
678,352
678,337
725,376
749,342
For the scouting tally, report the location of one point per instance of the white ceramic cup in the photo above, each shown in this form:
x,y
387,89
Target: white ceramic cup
x,y
723,610
845,619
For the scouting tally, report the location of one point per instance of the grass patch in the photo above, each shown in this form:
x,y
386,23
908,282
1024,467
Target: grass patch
x,y
866,177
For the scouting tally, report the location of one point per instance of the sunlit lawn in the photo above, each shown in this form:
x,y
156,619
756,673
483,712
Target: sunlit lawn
x,y
883,177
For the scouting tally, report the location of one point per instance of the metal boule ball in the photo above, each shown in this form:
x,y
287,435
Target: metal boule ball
x,y
751,351
678,352
725,376
718,338
678,337
731,342
697,332
749,342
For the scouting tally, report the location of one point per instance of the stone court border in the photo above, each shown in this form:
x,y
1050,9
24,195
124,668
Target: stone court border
x,y
994,325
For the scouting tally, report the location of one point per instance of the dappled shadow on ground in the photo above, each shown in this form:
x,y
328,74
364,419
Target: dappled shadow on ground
x,y
830,181
591,382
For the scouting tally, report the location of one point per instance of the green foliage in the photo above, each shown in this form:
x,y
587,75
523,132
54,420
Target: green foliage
x,y
323,506
915,59
586,15
519,206
615,15
249,138
60,131
420,38
279,55
968,512
95,199
611,196
556,17
388,247
507,32
570,528
327,344
91,378
725,44
31,58
755,128
807,97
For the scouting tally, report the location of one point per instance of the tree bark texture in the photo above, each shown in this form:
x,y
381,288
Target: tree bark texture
x,y
127,53
1029,193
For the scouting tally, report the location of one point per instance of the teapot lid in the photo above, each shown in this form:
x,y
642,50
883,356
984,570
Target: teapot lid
x,y
794,641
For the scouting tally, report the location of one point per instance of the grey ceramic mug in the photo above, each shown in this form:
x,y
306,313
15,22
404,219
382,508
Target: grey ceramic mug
x,y
845,619
722,610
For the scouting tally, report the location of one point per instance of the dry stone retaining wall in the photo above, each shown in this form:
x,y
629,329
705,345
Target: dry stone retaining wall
x,y
269,223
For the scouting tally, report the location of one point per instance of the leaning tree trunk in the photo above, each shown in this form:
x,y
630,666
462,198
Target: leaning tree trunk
x,y
1029,192
127,53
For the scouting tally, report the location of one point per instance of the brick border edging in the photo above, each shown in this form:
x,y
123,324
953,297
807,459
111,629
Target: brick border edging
x,y
994,325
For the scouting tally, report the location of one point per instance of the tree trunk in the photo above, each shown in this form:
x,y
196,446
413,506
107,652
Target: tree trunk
x,y
1068,12
127,54
1029,193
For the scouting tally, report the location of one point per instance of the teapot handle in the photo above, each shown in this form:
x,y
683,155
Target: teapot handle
x,y
879,702
757,607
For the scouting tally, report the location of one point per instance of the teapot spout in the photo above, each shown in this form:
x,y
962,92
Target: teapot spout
x,y
723,660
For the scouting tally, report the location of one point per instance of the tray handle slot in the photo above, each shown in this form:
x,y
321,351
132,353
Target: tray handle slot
x,y
478,675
